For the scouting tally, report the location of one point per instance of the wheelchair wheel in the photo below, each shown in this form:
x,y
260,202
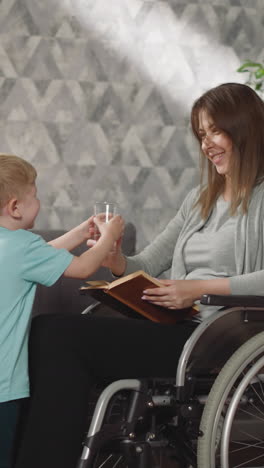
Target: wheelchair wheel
x,y
232,424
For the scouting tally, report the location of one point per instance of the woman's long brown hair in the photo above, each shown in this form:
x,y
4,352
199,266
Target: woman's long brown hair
x,y
238,111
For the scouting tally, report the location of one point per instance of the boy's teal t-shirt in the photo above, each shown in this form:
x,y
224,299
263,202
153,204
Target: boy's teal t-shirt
x,y
25,260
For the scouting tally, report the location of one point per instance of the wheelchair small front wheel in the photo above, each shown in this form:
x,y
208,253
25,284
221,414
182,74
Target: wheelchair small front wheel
x,y
246,426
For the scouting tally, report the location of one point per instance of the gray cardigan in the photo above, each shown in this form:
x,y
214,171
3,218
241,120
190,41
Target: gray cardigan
x,y
166,251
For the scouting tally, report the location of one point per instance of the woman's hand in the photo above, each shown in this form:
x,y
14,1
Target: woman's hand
x,y
176,294
179,294
115,260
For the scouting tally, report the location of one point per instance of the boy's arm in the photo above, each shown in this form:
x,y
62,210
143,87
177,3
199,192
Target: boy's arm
x,y
75,236
91,260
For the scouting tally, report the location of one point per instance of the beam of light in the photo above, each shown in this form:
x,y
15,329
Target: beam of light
x,y
179,52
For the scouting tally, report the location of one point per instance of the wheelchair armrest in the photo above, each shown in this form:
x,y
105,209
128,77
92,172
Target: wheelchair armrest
x,y
233,300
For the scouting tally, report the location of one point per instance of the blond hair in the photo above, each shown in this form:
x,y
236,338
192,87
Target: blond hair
x,y
16,175
239,112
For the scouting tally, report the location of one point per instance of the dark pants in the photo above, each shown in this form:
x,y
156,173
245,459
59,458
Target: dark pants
x,y
69,354
10,419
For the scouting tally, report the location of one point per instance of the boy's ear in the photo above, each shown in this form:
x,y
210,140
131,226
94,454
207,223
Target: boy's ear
x,y
12,208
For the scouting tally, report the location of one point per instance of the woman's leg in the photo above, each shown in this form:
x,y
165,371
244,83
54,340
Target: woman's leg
x,y
68,354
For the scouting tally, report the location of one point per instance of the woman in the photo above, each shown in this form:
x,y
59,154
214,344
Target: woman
x,y
213,245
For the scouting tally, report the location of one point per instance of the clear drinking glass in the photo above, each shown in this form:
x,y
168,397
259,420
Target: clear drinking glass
x,y
106,211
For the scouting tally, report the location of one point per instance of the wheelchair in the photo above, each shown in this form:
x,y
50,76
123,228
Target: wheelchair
x,y
210,415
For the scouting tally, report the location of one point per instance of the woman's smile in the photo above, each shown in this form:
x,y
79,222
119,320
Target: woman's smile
x,y
216,145
216,158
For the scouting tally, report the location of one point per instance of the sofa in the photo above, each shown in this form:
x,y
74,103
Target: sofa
x,y
64,296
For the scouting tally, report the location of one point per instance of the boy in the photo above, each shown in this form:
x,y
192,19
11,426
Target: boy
x,y
25,260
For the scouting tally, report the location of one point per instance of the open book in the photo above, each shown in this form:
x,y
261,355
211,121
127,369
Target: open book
x,y
124,295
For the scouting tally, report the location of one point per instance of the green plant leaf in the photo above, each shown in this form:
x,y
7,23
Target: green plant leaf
x,y
259,73
249,64
255,77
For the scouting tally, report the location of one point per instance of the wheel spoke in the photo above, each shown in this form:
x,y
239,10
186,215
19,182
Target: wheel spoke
x,y
258,410
248,461
242,410
260,382
105,461
245,445
253,387
117,462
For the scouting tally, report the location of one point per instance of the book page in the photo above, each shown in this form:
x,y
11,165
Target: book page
x,y
140,273
100,284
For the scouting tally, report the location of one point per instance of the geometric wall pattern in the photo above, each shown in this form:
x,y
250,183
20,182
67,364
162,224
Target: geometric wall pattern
x,y
97,95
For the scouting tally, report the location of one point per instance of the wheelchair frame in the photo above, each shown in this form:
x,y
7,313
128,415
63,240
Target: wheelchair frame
x,y
224,334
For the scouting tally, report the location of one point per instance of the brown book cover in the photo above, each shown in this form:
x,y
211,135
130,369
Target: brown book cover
x,y
124,295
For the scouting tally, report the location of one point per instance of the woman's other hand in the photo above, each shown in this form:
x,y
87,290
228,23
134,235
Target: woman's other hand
x,y
115,260
180,294
176,294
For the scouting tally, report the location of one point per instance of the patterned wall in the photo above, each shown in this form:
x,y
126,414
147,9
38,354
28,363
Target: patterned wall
x,y
97,94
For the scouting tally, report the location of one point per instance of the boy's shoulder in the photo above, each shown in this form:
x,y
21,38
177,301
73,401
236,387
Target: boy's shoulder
x,y
20,236
22,233
29,234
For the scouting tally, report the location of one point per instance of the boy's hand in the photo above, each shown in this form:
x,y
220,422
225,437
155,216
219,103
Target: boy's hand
x,y
114,228
88,228
75,236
